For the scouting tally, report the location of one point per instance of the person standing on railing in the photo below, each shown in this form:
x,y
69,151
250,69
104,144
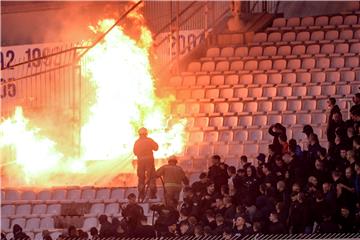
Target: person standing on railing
x,y
143,149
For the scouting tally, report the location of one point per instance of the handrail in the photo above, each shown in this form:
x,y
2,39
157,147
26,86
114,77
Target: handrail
x,y
174,19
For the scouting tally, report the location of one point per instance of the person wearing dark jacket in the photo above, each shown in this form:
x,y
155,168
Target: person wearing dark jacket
x,y
19,234
106,228
143,150
144,230
218,173
276,130
167,215
132,213
275,226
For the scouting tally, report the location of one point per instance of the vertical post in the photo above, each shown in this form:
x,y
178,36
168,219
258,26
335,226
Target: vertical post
x,y
206,19
177,37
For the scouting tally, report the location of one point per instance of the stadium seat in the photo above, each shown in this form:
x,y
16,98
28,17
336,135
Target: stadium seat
x,y
209,93
350,20
216,122
327,48
308,63
88,194
346,34
322,21
336,20
112,209
352,62
313,49
12,195
328,90
357,34
279,64
231,79
32,224
260,37
279,106
20,221
188,81
355,48
231,121
294,105
59,194
47,223
203,80
342,48
289,119
194,67
38,236
314,91
250,107
198,93
270,51
293,22
299,91
211,136
227,52
274,37
265,65
318,118
245,121
332,35
303,36
333,76
284,50
294,64
207,108
5,224
222,66
337,62
265,106
269,92
89,223
221,107
323,63
217,80
226,136
28,195
289,37
344,90
175,81
7,210
240,136
288,78
39,209
208,66
74,194
118,194
255,51
260,78
213,52
241,52
317,36
284,91
23,210
255,135
318,77
298,50
259,120
193,108
347,75
279,22
246,79
305,77
303,119
307,21
237,66
97,209
236,107
308,105
255,92
275,78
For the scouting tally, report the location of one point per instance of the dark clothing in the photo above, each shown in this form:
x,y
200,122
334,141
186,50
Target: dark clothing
x,y
133,214
143,149
106,230
167,215
276,228
328,227
21,236
219,176
242,232
145,231
199,187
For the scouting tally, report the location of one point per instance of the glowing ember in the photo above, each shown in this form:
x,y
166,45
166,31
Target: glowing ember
x,y
119,70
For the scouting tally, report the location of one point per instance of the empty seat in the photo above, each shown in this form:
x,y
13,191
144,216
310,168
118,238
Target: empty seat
x,y
333,76
323,63
332,35
88,194
343,90
111,209
23,210
28,195
241,52
303,119
32,224
255,135
213,52
251,65
289,119
279,64
216,122
194,67
289,36
208,66
222,107
279,22
217,80
299,91
304,77
293,22
279,105
303,36
211,93
222,66
265,65
355,48
211,136
97,209
54,209
59,194
12,195
328,90
289,78
314,91
118,194
74,194
227,52
274,37
89,223
269,92
260,37
322,21
265,106
198,93
230,121
318,77
346,34
260,78
327,48
260,120
236,107
39,209
337,62
352,62
318,118
255,51
269,51
47,223
103,194
250,107
308,63
298,50
317,36
5,224
240,136
294,105
175,81
357,34
284,50
336,20
347,75
313,49
227,93
350,20
309,105
342,48
245,121
201,122
294,64
7,210
203,80
275,78
307,21
237,65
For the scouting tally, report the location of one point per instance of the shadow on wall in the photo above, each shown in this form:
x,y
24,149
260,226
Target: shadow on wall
x,y
313,8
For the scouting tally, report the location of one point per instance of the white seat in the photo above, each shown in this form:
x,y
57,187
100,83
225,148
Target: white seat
x,y
250,107
54,209
47,223
38,236
274,37
240,136
28,195
225,136
308,63
337,62
265,106
32,223
284,91
118,194
309,105
350,20
279,22
313,49
303,36
251,149
289,37
279,106
255,51
12,195
304,77
298,50
260,37
5,224
303,119
317,36
322,21
284,50
222,66
328,48
289,119
251,65
111,209
227,52
237,65
332,35
342,48
97,208
259,120
346,34
336,20
352,62
39,209
194,67
103,194
307,21
294,105
208,66
328,90
20,221
323,63
7,210
59,194
74,194
23,210
270,51
241,52
255,135
293,22
88,194
318,118
203,80
213,52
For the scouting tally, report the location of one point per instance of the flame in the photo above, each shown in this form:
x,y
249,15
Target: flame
x,y
119,70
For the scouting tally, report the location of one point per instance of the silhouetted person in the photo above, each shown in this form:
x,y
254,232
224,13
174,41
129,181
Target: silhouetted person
x,y
106,228
218,173
143,230
143,149
132,213
275,226
19,234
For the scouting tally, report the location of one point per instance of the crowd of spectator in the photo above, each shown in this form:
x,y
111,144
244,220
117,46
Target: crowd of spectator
x,y
289,190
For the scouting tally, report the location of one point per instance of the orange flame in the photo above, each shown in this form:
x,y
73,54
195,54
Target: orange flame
x,y
119,70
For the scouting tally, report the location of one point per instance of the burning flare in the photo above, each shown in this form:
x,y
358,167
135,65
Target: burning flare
x,y
119,71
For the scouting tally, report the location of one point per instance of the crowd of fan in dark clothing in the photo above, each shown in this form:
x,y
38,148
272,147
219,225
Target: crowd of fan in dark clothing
x,y
291,190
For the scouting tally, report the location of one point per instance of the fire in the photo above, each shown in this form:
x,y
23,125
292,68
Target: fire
x,y
119,70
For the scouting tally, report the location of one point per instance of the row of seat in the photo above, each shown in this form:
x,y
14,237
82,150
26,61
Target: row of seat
x,y
101,194
286,51
319,21
33,224
260,79
276,92
36,236
304,64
